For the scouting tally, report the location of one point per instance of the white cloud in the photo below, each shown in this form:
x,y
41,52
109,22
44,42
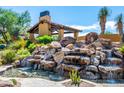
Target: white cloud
x,y
109,25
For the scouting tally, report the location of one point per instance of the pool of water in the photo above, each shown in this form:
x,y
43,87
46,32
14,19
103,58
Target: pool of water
x,y
112,81
28,72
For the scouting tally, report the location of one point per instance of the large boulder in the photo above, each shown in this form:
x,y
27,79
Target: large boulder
x,y
91,37
91,68
55,45
58,57
85,61
107,69
67,40
69,68
70,46
74,60
47,65
106,43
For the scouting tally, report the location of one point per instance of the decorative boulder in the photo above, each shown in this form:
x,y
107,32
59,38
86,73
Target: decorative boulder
x,y
70,46
67,40
58,57
91,37
85,61
55,45
69,68
74,60
107,43
47,65
91,68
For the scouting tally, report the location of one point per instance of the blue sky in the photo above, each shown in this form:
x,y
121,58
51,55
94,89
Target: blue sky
x,y
82,17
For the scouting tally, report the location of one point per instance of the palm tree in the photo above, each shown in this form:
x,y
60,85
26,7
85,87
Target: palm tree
x,y
102,16
119,25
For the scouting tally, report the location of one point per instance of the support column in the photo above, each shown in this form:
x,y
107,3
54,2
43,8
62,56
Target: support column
x,y
76,35
61,34
31,37
44,29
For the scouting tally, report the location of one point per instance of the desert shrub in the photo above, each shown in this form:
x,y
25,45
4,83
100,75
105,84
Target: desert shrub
x,y
31,47
75,78
22,53
121,49
8,56
18,44
14,81
44,39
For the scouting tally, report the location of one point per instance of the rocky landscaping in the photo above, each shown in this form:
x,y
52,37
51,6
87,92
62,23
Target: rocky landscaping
x,y
94,59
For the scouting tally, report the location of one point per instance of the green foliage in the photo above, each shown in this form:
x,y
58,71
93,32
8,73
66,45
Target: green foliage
x,y
44,39
18,44
108,33
75,78
31,47
28,42
122,49
14,81
104,11
23,53
55,37
8,56
13,22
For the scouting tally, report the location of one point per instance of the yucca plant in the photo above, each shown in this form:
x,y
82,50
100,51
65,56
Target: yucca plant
x,y
75,78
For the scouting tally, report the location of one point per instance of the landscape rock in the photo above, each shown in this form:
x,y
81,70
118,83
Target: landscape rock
x,y
58,57
67,40
91,37
55,45
70,46
85,61
74,60
47,65
107,43
91,68
69,68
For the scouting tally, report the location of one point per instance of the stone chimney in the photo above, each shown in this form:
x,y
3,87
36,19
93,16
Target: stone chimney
x,y
44,27
45,15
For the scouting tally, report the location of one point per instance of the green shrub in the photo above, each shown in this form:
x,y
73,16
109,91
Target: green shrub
x,y
75,78
55,37
44,39
122,49
31,47
16,45
23,53
28,42
14,81
8,56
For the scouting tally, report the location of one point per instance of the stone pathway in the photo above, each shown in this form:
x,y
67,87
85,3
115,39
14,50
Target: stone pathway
x,y
35,82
